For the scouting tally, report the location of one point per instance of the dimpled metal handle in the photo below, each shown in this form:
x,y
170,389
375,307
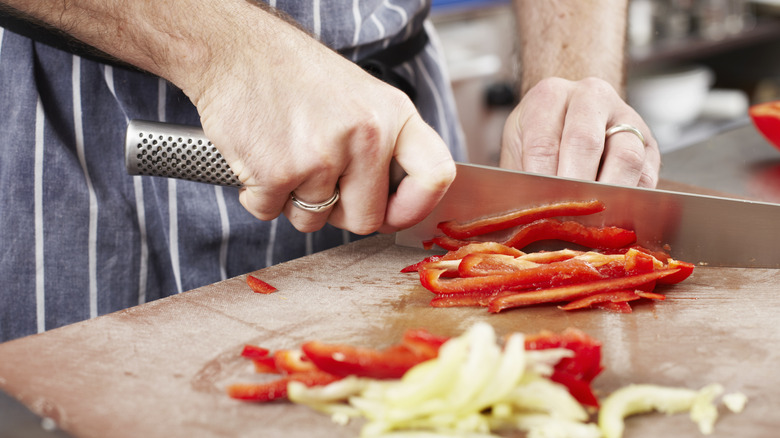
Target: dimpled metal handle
x,y
175,151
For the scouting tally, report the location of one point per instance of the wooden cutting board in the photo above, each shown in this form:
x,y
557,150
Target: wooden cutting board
x,y
160,369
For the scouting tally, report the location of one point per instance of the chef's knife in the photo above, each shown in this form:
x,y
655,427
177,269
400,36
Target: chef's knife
x,y
707,230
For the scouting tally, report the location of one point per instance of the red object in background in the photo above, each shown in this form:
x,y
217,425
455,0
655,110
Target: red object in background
x,y
766,117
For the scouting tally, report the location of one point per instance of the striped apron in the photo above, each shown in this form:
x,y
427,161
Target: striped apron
x,y
81,238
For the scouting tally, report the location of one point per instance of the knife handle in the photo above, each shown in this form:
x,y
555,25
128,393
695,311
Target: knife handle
x,y
175,151
184,152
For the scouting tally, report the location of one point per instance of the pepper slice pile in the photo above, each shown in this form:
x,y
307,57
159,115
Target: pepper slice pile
x,y
318,364
499,276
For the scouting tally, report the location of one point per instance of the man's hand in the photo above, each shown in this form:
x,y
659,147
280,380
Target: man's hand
x,y
559,129
288,114
560,125
301,118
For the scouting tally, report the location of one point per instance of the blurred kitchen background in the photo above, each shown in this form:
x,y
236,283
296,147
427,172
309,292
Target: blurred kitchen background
x,y
694,65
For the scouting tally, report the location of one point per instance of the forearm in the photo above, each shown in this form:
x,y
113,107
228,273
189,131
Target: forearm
x,y
177,40
572,39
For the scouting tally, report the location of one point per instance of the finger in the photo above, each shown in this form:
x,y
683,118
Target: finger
x,y
264,201
628,160
429,169
540,125
583,142
511,156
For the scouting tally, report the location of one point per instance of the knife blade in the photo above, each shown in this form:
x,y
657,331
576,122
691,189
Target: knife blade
x,y
707,230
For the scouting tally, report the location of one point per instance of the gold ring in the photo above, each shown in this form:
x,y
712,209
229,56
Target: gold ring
x,y
315,207
626,128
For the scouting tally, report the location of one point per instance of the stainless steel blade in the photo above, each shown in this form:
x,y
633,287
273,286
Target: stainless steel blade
x,y
707,230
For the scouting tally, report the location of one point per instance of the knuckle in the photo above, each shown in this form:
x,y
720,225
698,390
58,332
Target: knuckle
x,y
541,147
598,86
630,157
586,141
548,87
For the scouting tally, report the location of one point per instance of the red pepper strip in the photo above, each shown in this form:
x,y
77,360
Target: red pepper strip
x,y
265,365
345,360
292,361
575,372
586,362
261,357
482,248
620,296
650,295
416,266
575,291
449,243
623,307
633,262
519,217
579,389
259,286
461,251
424,343
450,267
480,265
254,352
550,256
468,299
553,274
685,270
572,232
277,389
658,255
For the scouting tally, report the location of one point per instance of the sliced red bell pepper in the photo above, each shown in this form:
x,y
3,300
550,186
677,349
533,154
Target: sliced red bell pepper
x,y
550,256
277,389
575,291
620,296
292,361
574,372
586,362
480,265
414,267
265,365
345,360
478,227
449,243
650,295
552,274
462,251
572,232
467,299
259,286
623,307
261,357
254,352
685,270
424,343
766,117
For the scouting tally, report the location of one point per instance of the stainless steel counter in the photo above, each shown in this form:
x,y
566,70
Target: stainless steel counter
x,y
738,162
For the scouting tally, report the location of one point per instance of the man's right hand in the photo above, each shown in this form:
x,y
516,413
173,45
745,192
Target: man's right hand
x,y
288,114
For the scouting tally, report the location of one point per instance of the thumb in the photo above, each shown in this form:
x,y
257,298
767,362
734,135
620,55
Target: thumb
x,y
429,168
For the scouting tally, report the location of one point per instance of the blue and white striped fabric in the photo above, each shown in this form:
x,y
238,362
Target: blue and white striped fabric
x,y
81,238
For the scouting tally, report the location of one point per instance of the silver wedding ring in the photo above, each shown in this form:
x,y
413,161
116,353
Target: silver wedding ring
x,y
626,128
315,207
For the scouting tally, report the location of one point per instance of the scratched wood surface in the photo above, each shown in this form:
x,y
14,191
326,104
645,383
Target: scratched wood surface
x,y
160,369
